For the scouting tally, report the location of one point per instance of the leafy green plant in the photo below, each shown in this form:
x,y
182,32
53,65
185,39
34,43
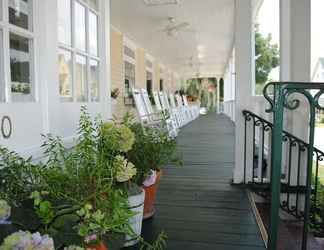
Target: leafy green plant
x,y
76,188
317,210
115,93
267,58
86,174
19,177
193,88
158,244
153,149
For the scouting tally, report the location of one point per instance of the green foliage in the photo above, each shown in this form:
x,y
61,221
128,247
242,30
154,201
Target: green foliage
x,y
86,174
97,223
204,98
77,188
159,244
267,57
153,149
118,137
193,87
5,210
317,210
221,89
44,209
19,177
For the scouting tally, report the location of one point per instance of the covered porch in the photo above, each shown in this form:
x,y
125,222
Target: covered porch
x,y
57,57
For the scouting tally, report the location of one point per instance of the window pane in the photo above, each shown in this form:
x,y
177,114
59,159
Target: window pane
x,y
80,27
20,65
93,4
20,12
129,78
2,85
1,9
93,33
64,21
81,79
94,80
65,73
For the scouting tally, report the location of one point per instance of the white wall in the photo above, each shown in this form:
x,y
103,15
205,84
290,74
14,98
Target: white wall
x,y
48,114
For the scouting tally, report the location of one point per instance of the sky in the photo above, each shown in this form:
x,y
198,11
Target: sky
x,y
317,31
269,20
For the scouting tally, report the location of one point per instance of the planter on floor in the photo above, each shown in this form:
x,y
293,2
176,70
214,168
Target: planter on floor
x,y
99,246
136,203
150,186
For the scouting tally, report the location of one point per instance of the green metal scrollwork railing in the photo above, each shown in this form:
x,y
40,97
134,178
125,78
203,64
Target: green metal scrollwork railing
x,y
283,96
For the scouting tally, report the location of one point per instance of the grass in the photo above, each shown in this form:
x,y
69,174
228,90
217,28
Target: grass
x,y
321,173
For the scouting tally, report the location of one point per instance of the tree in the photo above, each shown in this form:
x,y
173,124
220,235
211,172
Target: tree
x,y
266,55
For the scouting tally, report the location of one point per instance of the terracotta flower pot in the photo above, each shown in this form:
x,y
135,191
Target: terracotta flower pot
x,y
150,196
99,246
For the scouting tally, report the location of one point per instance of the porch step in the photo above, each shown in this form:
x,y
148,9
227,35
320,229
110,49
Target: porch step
x,y
285,188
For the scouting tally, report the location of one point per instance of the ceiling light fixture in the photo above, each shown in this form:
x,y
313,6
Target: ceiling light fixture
x,y
200,55
200,47
160,2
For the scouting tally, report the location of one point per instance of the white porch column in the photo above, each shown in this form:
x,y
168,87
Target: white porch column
x,y
227,91
295,56
244,67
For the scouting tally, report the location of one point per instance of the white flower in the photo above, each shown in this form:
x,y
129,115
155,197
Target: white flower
x,y
125,170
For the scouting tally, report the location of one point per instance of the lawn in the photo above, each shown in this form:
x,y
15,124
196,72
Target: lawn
x,y
321,173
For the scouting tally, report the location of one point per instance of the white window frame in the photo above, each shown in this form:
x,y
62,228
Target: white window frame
x,y
132,46
30,34
74,51
124,77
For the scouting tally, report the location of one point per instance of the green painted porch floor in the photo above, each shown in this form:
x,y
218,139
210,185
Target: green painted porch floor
x,y
197,206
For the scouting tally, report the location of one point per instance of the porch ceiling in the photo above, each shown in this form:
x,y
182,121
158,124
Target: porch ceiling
x,y
211,29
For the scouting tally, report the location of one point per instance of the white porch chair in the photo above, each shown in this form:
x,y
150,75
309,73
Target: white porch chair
x,y
177,110
173,132
146,116
167,107
194,109
158,105
186,117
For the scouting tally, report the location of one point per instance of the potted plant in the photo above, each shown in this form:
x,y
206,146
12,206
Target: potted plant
x,y
152,150
118,140
115,93
78,195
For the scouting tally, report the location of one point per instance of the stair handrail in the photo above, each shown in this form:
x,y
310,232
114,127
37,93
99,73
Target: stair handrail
x,y
248,113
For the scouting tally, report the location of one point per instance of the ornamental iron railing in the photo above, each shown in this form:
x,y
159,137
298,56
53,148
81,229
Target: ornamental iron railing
x,y
283,167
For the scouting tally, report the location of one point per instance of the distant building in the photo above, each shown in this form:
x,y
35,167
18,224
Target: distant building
x,y
318,74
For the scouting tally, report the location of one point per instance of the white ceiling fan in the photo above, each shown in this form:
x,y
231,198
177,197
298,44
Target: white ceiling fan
x,y
173,27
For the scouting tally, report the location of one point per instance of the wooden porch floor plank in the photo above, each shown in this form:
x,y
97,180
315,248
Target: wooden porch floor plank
x,y
197,206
